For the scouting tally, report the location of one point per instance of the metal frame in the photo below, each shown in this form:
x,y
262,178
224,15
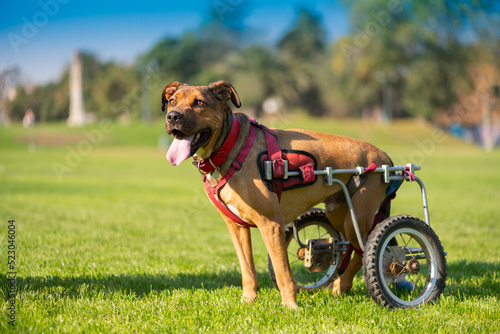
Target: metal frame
x,y
329,180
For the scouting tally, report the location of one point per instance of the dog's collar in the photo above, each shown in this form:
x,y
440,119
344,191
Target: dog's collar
x,y
218,157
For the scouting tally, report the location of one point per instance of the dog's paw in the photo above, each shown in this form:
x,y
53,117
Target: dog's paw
x,y
291,305
248,298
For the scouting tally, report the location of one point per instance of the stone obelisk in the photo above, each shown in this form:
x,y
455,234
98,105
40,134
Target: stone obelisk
x,y
77,115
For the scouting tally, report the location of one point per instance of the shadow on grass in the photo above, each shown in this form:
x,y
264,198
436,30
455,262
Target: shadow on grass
x,y
465,279
467,269
473,278
131,284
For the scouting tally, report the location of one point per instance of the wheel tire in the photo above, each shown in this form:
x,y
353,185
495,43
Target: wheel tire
x,y
313,219
403,288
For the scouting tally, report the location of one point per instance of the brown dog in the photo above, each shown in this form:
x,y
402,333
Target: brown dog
x,y
200,120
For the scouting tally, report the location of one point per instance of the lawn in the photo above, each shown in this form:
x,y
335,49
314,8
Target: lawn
x,y
110,238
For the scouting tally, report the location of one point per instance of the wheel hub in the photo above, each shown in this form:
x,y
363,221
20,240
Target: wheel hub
x,y
301,253
393,262
413,266
398,266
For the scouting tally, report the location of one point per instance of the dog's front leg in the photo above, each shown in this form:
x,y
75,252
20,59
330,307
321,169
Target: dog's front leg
x,y
241,237
274,238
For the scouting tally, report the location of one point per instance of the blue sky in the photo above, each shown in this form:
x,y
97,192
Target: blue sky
x,y
40,35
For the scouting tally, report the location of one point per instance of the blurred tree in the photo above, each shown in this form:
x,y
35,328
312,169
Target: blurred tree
x,y
423,47
306,40
18,106
113,91
226,21
200,56
259,74
52,100
354,82
179,58
48,102
302,49
108,90
10,77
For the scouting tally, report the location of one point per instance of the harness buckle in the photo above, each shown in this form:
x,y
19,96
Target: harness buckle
x,y
277,169
197,164
236,165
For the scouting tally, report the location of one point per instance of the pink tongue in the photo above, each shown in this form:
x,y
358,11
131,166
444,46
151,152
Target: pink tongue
x,y
179,150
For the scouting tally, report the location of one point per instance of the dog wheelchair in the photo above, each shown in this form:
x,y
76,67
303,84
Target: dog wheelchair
x,y
404,264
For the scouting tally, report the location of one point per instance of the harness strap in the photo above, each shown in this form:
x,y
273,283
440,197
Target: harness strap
x,y
382,211
218,157
355,182
371,168
213,193
409,173
274,155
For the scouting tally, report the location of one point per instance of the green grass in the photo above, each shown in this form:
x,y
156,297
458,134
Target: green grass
x,y
122,242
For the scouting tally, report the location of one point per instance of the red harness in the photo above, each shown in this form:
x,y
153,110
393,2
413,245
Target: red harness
x,y
297,161
217,158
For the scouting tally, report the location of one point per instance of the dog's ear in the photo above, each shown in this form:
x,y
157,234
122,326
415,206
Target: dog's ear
x,y
223,90
168,91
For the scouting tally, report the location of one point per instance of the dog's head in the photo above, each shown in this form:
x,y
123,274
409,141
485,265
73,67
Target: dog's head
x,y
195,117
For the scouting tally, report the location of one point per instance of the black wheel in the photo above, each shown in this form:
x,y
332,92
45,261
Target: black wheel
x,y
312,224
404,263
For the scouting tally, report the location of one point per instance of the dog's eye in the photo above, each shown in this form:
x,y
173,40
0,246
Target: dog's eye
x,y
199,103
171,102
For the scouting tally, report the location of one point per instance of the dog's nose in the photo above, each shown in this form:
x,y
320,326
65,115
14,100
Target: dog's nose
x,y
174,117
